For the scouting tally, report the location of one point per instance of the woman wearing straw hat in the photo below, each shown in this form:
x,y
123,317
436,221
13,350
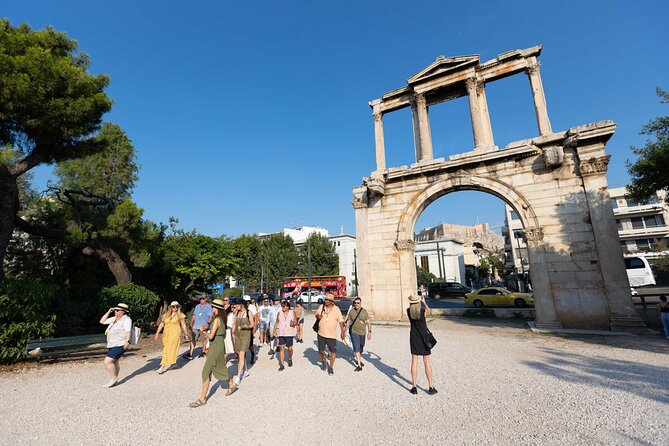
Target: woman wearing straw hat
x,y
118,339
417,341
173,322
215,363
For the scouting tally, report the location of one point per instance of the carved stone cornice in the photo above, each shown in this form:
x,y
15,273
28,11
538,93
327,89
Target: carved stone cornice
x,y
553,156
596,165
472,83
359,203
534,234
532,69
376,186
405,245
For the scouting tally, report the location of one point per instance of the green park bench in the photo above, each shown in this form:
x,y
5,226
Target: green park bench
x,y
63,346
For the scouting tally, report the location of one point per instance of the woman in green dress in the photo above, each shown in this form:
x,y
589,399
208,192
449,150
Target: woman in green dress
x,y
215,363
241,336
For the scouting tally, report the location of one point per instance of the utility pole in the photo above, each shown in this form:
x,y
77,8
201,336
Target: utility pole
x,y
355,270
309,271
518,235
441,271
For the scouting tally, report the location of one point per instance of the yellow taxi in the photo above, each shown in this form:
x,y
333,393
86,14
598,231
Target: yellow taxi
x,y
498,296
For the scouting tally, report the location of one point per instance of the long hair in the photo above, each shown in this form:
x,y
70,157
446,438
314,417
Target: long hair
x,y
414,311
168,314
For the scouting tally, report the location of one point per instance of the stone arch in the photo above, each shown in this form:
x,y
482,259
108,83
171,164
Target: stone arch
x,y
494,186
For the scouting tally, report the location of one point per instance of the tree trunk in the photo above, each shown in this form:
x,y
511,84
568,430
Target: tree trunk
x,y
9,206
114,262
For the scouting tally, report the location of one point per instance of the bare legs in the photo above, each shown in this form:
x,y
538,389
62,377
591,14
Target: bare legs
x,y
205,389
241,365
282,349
414,370
333,355
113,367
358,359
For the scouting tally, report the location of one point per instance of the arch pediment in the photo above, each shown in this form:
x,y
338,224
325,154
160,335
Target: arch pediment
x,y
444,66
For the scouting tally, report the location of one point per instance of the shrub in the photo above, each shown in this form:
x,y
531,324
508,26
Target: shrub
x,y
232,292
143,303
25,314
77,310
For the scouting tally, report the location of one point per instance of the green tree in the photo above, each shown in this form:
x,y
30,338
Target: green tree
x,y
249,272
279,259
424,276
50,109
324,258
649,171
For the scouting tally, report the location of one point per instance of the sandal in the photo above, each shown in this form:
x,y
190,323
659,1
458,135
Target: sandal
x,y
231,390
197,403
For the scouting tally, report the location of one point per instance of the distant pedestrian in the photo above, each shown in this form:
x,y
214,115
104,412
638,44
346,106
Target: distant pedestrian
x,y
199,323
215,363
118,339
285,328
253,317
299,313
663,314
329,317
359,327
273,313
172,325
417,341
263,323
241,336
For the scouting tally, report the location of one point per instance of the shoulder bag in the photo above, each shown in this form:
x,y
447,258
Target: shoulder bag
x,y
318,321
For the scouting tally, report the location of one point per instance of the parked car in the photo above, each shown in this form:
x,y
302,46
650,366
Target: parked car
x,y
316,297
440,290
498,296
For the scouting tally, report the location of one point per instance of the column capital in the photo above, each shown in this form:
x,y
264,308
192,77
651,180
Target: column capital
x,y
595,165
472,83
534,234
405,245
378,116
420,99
534,68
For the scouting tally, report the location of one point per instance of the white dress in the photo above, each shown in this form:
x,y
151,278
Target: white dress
x,y
229,348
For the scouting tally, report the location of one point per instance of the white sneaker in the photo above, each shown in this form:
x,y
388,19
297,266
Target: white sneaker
x,y
235,379
111,383
246,374
161,370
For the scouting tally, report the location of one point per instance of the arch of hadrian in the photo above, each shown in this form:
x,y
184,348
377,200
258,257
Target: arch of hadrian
x,y
555,181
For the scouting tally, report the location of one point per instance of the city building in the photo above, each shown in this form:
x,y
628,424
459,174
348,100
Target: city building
x,y
445,258
641,226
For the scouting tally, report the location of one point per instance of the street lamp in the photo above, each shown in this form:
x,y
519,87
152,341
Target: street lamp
x,y
518,234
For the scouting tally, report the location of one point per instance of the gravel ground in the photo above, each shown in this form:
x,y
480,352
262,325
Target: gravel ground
x,y
498,383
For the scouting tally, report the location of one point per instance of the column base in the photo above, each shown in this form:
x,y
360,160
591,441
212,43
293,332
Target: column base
x,y
549,326
630,324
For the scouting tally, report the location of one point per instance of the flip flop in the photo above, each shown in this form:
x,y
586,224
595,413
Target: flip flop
x,y
231,390
197,403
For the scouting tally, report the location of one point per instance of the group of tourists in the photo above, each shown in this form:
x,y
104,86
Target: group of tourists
x,y
227,326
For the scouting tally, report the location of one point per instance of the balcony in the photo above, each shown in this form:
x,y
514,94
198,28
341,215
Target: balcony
x,y
637,210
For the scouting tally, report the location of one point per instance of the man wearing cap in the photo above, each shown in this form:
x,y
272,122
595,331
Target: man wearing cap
x,y
329,316
263,312
199,323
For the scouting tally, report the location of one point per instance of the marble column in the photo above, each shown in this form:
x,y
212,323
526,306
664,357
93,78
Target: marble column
x,y
485,115
380,145
475,113
423,128
539,98
416,131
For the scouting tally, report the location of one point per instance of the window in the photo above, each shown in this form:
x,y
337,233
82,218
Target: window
x,y
653,221
614,203
634,263
514,215
631,202
488,292
619,224
637,223
424,263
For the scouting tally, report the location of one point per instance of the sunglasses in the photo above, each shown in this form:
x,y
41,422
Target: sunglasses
x,y
356,303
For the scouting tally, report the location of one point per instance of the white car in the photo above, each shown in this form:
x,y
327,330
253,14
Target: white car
x,y
316,297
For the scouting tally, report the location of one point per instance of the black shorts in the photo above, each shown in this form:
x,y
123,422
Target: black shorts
x,y
331,343
286,340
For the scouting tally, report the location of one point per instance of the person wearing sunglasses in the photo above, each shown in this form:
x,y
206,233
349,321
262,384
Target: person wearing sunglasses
x,y
118,339
172,324
359,327
263,325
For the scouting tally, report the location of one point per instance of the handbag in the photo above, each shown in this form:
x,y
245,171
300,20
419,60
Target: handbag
x,y
429,340
318,321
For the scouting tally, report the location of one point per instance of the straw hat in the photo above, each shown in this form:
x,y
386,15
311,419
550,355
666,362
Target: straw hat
x,y
175,304
218,303
413,299
123,307
329,297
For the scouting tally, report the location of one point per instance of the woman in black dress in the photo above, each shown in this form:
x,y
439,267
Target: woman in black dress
x,y
419,330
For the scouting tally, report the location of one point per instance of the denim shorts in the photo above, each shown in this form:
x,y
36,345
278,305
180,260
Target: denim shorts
x,y
286,340
262,326
115,352
358,342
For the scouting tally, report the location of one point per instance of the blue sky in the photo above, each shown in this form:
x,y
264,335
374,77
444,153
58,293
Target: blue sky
x,y
252,116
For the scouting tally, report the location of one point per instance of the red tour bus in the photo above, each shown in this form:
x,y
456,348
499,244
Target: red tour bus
x,y
335,285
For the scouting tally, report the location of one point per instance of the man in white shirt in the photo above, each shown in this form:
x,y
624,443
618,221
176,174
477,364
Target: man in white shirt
x,y
263,325
273,313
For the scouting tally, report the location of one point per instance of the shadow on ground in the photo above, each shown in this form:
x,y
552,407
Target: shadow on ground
x,y
645,380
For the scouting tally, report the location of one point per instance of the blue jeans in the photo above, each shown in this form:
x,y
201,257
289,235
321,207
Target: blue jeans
x,y
358,342
665,323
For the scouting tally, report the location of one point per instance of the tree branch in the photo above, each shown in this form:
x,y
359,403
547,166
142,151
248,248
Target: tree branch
x,y
35,158
40,231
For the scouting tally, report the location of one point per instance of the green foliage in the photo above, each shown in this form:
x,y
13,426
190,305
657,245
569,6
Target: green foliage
x,y
143,303
649,171
324,258
25,314
279,259
77,310
232,292
424,276
249,271
109,173
48,101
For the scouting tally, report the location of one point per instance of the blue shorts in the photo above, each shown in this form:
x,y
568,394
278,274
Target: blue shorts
x,y
115,352
262,326
286,340
358,342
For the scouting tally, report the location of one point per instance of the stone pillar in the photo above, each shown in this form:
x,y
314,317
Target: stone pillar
x,y
416,131
485,115
544,299
539,98
478,127
424,128
408,283
362,245
380,146
622,314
